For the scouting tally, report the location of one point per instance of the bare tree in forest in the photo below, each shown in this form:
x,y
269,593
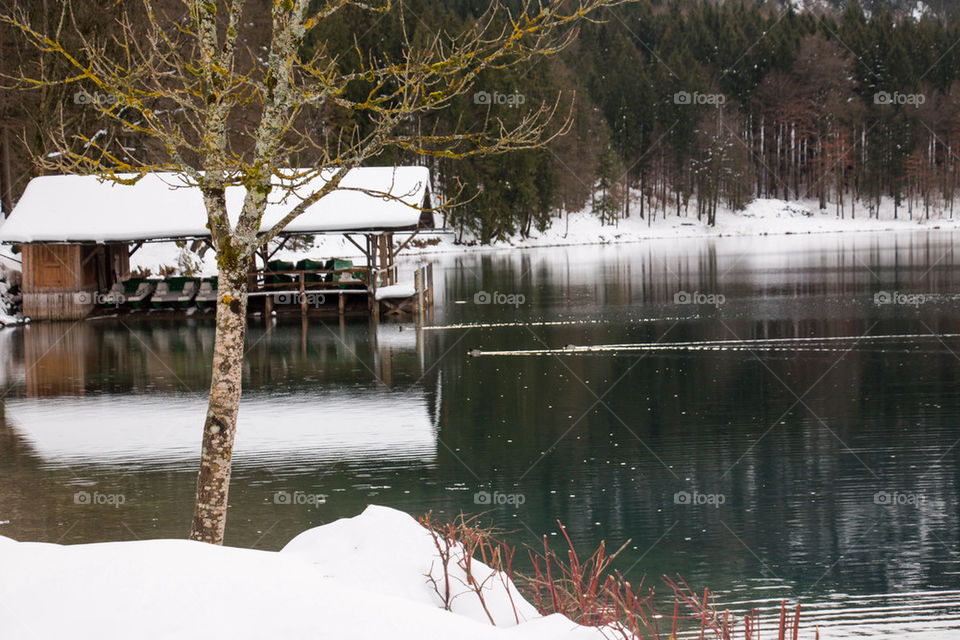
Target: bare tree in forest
x,y
24,116
180,79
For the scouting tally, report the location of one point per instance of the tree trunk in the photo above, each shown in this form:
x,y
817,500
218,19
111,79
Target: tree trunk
x,y
220,427
6,175
642,186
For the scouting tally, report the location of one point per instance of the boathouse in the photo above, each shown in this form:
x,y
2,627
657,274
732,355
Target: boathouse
x,y
77,234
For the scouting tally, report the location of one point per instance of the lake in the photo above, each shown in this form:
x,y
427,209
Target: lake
x,y
770,417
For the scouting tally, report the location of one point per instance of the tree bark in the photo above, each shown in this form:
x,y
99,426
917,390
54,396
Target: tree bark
x,y
6,175
220,427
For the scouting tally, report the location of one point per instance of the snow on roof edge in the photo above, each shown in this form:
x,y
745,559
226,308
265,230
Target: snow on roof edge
x,y
48,212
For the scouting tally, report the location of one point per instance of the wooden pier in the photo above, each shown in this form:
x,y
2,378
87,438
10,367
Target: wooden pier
x,y
356,289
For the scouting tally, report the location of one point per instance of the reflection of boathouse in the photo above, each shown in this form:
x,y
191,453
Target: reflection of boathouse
x,y
174,355
155,393
77,234
121,404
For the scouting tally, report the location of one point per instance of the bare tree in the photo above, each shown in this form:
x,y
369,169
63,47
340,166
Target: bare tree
x,y
181,80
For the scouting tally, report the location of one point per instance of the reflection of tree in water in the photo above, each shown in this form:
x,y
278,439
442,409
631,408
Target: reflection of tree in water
x,y
157,357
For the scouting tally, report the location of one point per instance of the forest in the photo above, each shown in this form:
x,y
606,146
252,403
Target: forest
x,y
666,107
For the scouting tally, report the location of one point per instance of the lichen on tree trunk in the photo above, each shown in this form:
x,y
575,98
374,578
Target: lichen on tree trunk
x,y
220,426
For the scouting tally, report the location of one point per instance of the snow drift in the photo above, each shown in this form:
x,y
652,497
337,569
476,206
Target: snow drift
x,y
11,302
358,578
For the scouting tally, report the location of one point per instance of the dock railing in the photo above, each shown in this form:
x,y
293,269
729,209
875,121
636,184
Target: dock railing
x,y
304,283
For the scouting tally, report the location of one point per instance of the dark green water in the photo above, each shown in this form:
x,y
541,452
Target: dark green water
x,y
824,471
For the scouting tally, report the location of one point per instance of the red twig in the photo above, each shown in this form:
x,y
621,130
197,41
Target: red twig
x,y
586,590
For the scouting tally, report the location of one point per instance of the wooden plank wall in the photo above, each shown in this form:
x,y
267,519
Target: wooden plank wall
x,y
50,267
59,280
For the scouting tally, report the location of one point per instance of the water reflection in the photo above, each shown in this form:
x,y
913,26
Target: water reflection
x,y
114,405
798,443
145,449
162,429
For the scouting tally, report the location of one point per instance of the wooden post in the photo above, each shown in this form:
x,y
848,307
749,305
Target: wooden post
x,y
304,326
267,306
385,259
268,299
303,295
430,285
340,304
418,293
382,261
101,267
373,277
391,257
371,268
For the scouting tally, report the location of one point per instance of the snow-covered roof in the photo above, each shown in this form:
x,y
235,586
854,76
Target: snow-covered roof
x,y
66,208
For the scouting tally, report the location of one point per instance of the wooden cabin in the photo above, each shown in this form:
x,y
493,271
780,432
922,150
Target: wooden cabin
x,y
62,281
77,233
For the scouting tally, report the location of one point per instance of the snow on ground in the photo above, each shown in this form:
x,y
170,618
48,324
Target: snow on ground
x,y
10,279
920,10
765,216
358,578
761,217
155,258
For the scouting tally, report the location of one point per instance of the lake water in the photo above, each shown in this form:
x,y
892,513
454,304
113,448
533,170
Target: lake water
x,y
794,433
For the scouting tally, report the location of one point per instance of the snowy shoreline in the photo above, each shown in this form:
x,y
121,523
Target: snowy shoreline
x,y
765,217
353,579
379,574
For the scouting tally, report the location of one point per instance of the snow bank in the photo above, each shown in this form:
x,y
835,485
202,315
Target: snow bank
x,y
362,578
765,216
10,278
354,551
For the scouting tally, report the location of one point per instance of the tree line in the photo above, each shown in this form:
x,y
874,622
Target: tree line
x,y
683,107
669,107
